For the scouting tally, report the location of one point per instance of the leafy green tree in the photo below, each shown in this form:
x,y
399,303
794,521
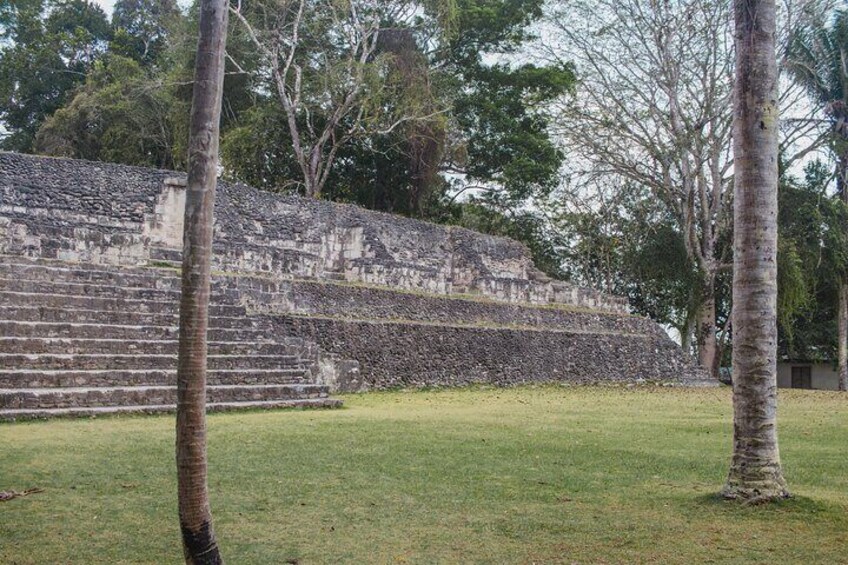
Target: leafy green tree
x,y
628,243
817,56
119,115
133,107
501,108
141,28
660,279
257,150
46,49
812,260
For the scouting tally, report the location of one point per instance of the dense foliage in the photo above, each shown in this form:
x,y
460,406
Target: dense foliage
x,y
46,49
812,260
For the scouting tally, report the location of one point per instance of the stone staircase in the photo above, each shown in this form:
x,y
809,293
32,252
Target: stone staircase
x,y
84,340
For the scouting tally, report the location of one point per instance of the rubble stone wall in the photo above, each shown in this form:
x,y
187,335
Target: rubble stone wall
x,y
401,354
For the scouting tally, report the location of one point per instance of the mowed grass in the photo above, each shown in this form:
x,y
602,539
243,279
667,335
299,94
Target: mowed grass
x,y
525,475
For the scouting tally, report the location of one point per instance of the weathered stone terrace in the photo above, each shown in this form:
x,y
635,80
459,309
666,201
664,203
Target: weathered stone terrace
x,y
308,298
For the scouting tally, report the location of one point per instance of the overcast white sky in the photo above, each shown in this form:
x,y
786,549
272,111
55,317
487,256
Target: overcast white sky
x,y
106,5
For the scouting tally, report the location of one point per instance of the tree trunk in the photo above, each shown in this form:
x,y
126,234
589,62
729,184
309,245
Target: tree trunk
x,y
707,341
842,316
199,544
687,332
755,471
313,188
843,336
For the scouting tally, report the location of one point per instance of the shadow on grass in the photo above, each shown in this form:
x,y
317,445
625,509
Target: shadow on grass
x,y
796,505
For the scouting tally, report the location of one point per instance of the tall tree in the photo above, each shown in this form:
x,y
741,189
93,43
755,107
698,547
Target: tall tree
x,y
327,73
198,535
812,258
755,471
46,49
142,28
501,148
121,114
654,108
818,57
438,94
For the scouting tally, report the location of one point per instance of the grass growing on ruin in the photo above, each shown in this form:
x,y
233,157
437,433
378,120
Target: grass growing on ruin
x,y
527,475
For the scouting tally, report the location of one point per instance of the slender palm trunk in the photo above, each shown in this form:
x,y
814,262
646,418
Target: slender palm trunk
x,y
199,544
755,471
842,316
843,336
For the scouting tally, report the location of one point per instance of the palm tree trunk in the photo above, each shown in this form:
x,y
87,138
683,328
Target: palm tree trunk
x,y
755,471
199,544
842,316
843,336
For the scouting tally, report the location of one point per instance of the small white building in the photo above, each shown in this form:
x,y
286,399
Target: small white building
x,y
809,375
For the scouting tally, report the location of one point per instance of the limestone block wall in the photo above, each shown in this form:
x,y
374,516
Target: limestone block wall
x,y
113,214
330,299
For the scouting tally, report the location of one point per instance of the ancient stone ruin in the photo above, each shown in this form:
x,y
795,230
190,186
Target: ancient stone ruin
x,y
309,297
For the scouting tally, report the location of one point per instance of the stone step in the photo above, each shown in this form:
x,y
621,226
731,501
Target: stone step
x,y
86,412
76,302
38,345
110,377
165,255
62,287
17,268
116,362
85,340
75,397
121,282
73,330
33,313
154,278
220,294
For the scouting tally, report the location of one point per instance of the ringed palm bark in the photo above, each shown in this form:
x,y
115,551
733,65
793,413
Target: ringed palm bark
x,y
818,58
755,471
198,536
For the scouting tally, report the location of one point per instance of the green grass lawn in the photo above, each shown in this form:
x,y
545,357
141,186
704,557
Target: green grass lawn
x,y
527,475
